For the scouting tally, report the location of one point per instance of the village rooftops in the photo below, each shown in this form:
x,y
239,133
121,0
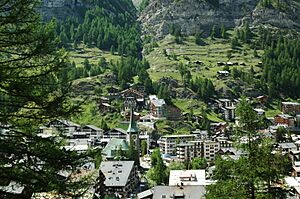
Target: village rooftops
x,y
116,172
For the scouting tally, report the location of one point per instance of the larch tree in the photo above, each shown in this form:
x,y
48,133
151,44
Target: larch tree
x,y
31,94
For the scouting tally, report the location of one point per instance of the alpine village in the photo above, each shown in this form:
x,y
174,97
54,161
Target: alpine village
x,y
149,99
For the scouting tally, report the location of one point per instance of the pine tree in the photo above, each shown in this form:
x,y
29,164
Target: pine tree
x,y
32,93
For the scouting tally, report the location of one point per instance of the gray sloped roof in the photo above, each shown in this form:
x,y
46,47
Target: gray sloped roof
x,y
116,172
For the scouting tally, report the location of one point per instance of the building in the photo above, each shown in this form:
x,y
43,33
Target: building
x,y
113,147
65,126
284,120
93,131
187,177
287,146
259,111
168,143
115,133
157,106
290,107
223,73
120,178
199,148
173,113
174,192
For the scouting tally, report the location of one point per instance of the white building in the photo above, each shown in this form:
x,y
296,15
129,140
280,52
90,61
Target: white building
x,y
187,177
168,143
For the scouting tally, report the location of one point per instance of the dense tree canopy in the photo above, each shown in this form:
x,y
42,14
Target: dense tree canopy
x,y
31,93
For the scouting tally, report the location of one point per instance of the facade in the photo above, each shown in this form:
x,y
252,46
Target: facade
x,y
173,113
290,107
168,143
200,148
157,106
120,178
284,119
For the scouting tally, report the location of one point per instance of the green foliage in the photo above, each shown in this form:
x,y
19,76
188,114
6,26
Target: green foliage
x,y
108,25
199,163
254,174
158,171
143,5
34,90
203,87
280,65
144,147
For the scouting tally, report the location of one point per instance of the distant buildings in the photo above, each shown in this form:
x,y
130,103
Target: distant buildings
x,y
199,148
168,143
290,107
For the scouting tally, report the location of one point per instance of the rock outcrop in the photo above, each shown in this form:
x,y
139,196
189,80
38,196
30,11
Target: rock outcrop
x,y
192,16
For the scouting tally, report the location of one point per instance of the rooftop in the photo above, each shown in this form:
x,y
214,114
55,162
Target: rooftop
x,y
113,145
187,177
161,192
116,172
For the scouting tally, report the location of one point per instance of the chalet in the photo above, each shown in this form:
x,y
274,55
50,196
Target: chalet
x,y
262,99
115,133
221,63
130,92
284,120
120,178
94,131
290,107
113,92
157,106
223,73
259,111
105,108
66,126
229,64
173,113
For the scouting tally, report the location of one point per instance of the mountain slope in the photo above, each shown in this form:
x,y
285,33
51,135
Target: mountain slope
x,y
192,16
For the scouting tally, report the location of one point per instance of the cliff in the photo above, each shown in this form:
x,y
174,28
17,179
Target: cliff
x,y
192,16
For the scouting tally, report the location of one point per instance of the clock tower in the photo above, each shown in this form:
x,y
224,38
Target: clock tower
x,y
133,133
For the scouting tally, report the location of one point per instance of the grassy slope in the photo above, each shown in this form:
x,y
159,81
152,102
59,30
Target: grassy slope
x,y
215,51
93,54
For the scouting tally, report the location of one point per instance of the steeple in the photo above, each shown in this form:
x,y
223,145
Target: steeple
x,y
132,128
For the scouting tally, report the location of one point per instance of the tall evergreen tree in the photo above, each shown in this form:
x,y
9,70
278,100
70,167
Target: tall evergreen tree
x,y
32,93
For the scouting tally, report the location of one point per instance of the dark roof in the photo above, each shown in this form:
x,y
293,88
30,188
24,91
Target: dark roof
x,y
132,128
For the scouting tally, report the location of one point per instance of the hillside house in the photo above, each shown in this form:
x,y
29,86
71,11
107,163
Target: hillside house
x,y
284,120
157,106
290,107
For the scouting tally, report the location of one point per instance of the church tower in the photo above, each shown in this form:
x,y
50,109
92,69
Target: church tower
x,y
133,133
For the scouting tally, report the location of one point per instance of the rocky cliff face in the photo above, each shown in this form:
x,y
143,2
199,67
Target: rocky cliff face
x,y
193,16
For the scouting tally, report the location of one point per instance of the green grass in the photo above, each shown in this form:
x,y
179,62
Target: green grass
x,y
186,105
93,54
215,51
212,116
